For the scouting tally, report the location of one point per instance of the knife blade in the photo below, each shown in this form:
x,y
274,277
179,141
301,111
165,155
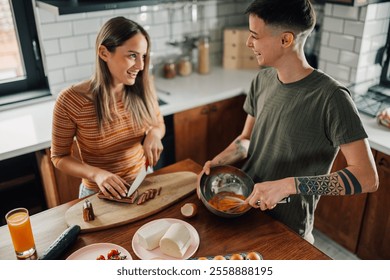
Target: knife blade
x,y
138,180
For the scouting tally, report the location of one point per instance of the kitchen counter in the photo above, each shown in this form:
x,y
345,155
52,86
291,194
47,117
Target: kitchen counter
x,y
254,231
27,128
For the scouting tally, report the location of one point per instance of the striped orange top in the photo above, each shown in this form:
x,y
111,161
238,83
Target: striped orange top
x,y
118,150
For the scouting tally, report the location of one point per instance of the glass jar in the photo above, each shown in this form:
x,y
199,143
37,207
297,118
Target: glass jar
x,y
185,66
203,55
169,69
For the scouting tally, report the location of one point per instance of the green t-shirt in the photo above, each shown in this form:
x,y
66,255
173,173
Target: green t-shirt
x,y
298,129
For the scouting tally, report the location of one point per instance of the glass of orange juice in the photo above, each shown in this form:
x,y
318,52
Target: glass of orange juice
x,y
19,226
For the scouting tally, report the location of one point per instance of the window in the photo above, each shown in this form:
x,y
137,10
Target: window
x,y
21,70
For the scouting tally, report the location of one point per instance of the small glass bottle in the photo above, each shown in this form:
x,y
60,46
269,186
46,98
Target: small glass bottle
x,y
203,55
185,66
169,69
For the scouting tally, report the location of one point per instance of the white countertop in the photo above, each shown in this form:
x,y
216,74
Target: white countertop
x,y
27,128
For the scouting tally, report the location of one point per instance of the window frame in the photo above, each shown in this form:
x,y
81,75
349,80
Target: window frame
x,y
35,82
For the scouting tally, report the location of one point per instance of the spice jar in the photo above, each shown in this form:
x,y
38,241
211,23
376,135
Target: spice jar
x,y
169,69
185,66
203,55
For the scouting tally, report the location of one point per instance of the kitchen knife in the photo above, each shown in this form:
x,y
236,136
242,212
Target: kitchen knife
x,y
138,180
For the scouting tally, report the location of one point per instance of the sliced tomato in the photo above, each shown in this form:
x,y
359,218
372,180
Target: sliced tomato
x,y
113,254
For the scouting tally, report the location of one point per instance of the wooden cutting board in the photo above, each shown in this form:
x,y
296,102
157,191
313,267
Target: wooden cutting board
x,y
109,214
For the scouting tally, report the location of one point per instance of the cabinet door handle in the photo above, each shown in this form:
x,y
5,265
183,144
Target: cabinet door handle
x,y
205,111
213,108
384,165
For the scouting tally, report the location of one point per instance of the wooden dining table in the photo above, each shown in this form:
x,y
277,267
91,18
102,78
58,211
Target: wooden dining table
x,y
253,231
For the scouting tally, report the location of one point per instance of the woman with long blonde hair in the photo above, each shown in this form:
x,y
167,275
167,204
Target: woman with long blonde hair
x,y
114,116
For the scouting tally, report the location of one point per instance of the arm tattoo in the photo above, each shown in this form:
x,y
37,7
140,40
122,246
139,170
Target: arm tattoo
x,y
328,184
240,149
355,183
322,185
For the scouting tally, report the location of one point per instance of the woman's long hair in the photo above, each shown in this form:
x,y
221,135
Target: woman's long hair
x,y
139,99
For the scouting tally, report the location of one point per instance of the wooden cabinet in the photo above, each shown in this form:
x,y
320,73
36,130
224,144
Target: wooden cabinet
x,y
203,132
360,223
59,187
374,240
20,185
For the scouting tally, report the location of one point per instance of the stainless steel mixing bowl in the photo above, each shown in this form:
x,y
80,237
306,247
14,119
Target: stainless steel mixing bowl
x,y
225,178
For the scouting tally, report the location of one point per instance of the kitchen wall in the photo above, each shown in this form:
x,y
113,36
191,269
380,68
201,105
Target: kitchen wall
x,y
68,41
346,42
350,40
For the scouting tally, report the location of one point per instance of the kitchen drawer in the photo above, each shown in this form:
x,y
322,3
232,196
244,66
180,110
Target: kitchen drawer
x,y
236,62
235,35
236,49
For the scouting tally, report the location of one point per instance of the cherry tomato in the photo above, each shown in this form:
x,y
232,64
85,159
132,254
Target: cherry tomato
x,y
101,257
113,254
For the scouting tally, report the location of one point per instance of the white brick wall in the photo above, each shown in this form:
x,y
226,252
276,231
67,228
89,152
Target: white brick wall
x,y
68,41
350,40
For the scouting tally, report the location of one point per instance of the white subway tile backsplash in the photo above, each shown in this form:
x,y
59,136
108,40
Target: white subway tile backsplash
x,y
372,28
226,9
329,54
371,12
349,59
56,30
51,47
322,65
363,13
86,26
57,88
367,59
56,77
373,72
383,11
45,16
325,38
86,56
159,31
337,71
55,62
74,43
67,62
161,17
144,18
378,42
328,10
354,28
385,25
78,73
333,24
360,75
346,12
210,12
344,42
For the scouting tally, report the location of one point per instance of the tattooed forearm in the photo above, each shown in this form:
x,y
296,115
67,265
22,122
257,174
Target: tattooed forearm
x,y
322,185
356,187
240,148
329,184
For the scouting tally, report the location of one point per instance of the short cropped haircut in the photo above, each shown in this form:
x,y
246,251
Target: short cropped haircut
x,y
296,15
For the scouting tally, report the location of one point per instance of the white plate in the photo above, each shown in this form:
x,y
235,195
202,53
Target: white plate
x,y
91,252
156,254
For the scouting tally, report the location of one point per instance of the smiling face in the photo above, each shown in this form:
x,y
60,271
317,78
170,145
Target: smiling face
x,y
126,60
265,41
